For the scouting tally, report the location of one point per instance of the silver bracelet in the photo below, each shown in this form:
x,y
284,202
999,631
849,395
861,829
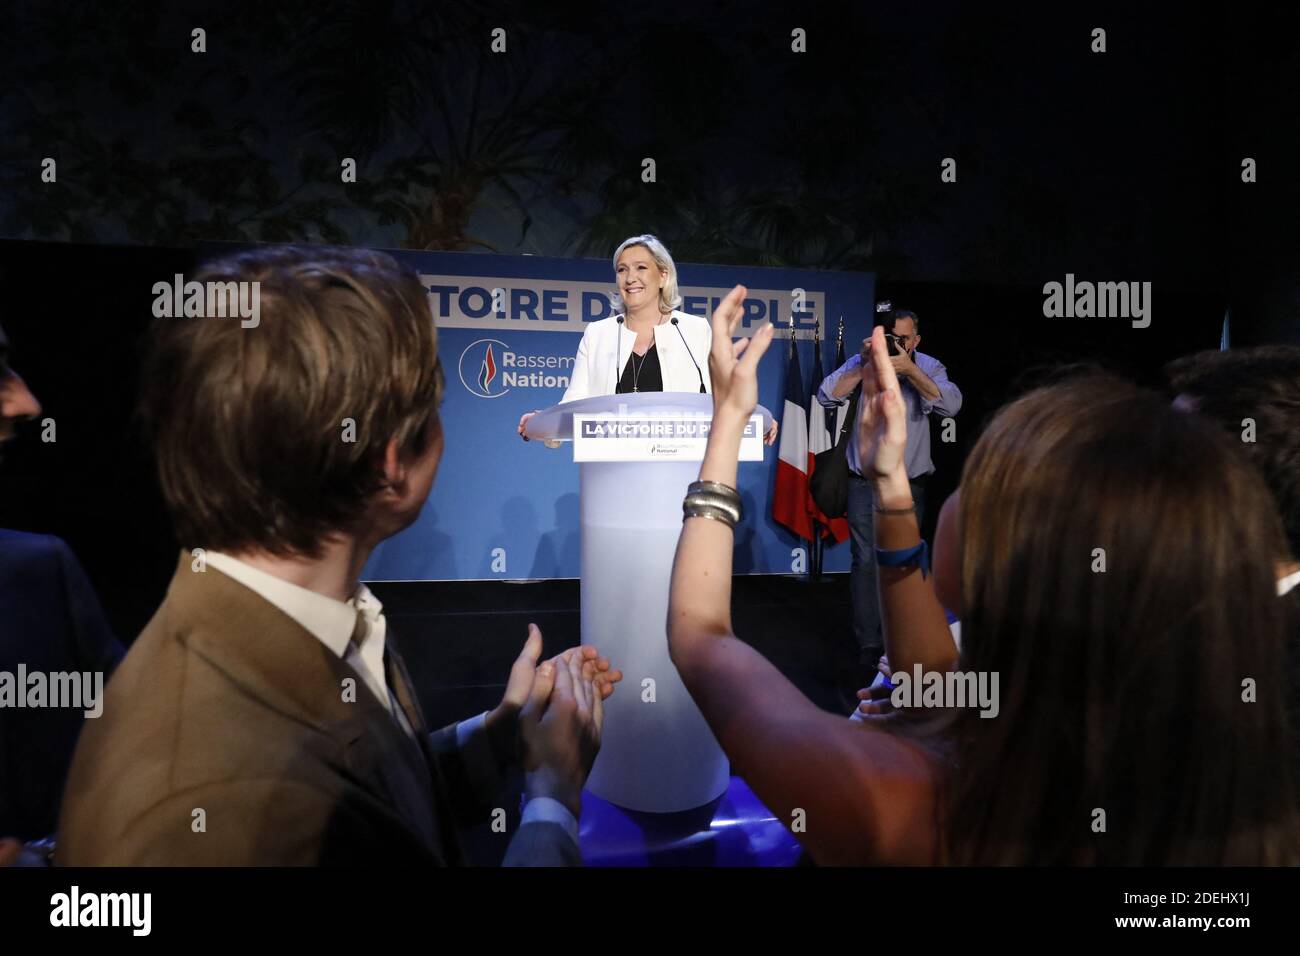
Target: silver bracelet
x,y
716,487
712,499
708,511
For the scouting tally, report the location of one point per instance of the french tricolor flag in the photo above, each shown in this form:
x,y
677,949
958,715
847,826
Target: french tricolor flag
x,y
790,499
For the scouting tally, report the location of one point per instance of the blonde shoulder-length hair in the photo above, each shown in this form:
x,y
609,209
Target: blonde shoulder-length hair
x,y
669,297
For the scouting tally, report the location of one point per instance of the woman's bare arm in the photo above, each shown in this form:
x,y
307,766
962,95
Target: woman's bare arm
x,y
852,793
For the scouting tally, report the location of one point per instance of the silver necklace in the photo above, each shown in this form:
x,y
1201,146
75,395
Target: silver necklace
x,y
636,367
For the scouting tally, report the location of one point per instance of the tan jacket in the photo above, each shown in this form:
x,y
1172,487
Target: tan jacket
x,y
226,705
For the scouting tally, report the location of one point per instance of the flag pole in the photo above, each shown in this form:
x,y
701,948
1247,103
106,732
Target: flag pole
x,y
811,556
815,552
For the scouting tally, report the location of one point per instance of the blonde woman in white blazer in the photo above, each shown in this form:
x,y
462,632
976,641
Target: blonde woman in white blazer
x,y
652,346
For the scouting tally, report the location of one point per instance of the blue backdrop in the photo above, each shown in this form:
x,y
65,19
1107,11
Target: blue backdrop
x,y
508,330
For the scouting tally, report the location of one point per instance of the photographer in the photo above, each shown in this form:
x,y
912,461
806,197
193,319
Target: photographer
x,y
925,388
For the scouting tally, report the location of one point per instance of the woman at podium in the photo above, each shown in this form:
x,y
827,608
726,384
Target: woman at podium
x,y
651,346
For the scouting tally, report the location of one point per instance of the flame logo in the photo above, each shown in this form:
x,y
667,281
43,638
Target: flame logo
x,y
479,371
488,372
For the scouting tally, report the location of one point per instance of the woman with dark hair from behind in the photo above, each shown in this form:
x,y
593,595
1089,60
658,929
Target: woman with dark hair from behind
x,y
1150,691
1253,394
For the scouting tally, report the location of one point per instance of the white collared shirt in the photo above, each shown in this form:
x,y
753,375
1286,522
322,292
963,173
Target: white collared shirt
x,y
329,621
1286,584
332,622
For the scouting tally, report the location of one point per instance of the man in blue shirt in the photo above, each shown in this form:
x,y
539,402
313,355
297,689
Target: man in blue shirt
x,y
926,388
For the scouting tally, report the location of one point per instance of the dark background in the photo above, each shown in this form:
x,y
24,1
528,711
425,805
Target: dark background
x,y
1120,166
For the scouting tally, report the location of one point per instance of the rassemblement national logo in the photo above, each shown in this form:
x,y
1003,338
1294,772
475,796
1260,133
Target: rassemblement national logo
x,y
481,361
489,369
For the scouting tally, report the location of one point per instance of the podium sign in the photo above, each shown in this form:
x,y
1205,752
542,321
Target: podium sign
x,y
654,437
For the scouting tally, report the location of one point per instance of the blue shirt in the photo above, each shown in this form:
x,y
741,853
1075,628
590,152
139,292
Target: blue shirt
x,y
916,458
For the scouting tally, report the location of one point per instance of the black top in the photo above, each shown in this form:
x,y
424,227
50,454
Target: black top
x,y
641,374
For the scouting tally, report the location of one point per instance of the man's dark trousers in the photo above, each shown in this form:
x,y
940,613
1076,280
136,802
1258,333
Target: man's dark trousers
x,y
863,589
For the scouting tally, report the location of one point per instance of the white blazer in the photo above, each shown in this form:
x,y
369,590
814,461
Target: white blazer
x,y
606,345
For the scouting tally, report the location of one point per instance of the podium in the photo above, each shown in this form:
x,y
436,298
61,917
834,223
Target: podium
x,y
637,454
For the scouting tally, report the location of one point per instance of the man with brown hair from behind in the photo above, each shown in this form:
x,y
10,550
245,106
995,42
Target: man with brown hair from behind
x,y
263,717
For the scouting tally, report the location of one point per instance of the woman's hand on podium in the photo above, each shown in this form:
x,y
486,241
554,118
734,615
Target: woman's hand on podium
x,y
523,423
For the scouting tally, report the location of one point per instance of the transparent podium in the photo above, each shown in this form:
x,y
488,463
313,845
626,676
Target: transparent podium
x,y
637,455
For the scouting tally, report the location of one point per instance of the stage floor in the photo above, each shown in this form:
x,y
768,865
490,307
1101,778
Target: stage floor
x,y
734,830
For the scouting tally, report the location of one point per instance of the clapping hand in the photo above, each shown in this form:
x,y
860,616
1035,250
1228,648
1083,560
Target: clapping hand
x,y
503,721
875,701
560,728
